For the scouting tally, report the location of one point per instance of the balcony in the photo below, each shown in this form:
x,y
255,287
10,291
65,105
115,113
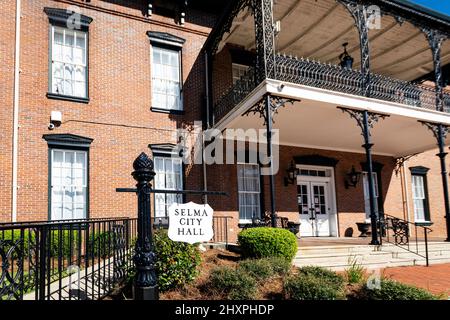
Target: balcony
x,y
333,78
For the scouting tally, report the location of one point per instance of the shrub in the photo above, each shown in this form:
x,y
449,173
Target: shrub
x,y
176,263
262,269
259,269
268,242
280,266
101,244
234,284
392,290
329,277
355,273
309,287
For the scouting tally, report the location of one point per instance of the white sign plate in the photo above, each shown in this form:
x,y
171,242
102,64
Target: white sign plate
x,y
190,222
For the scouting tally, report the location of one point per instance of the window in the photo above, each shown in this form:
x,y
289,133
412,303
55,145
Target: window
x,y
69,67
68,56
249,192
238,71
68,176
420,194
166,79
68,184
169,176
367,195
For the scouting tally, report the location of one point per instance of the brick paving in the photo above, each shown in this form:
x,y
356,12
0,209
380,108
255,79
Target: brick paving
x,y
435,278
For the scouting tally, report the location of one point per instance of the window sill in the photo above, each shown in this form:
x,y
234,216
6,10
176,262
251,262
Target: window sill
x,y
57,96
423,223
168,111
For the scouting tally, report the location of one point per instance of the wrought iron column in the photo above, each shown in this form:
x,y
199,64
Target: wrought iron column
x,y
270,157
265,39
436,38
359,14
365,121
145,283
267,107
440,132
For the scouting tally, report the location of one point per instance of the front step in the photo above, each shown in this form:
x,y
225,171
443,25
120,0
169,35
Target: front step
x,y
340,257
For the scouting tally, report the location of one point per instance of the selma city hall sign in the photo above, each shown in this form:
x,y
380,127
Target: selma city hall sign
x,y
190,222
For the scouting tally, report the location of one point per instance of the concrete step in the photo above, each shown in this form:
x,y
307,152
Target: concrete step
x,y
340,257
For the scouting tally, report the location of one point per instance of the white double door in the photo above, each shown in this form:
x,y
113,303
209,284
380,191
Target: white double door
x,y
314,205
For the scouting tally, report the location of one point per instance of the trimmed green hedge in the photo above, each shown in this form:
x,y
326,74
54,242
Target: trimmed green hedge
x,y
177,262
267,242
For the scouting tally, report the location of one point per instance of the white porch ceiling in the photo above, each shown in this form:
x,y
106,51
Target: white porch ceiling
x,y
322,125
318,28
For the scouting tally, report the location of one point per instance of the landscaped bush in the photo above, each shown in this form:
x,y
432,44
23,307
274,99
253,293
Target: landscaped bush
x,y
230,283
101,244
262,269
176,263
392,290
61,241
309,287
268,242
331,278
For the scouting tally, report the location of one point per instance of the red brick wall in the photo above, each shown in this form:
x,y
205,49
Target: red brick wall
x,y
7,37
120,96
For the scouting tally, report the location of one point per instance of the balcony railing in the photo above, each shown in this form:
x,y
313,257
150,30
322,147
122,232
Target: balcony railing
x,y
335,78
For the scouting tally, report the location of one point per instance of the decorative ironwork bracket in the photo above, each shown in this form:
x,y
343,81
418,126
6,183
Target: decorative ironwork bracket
x,y
436,38
359,14
400,161
358,115
435,129
275,104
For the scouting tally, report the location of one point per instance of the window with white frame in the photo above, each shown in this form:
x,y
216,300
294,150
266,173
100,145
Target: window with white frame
x,y
168,176
367,194
249,192
420,194
69,62
69,184
166,78
238,70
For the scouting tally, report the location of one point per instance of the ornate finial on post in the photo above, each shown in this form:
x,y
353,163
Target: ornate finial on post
x,y
145,282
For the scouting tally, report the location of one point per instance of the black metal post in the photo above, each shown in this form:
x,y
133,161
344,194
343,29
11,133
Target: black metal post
x,y
269,156
442,154
368,147
145,282
440,132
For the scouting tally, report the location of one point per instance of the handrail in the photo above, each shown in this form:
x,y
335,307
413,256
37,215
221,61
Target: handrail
x,y
399,232
327,76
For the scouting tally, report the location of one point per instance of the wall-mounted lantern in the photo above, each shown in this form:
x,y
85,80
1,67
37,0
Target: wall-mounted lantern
x,y
352,178
345,58
292,173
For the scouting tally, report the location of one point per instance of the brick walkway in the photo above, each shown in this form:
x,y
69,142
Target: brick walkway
x,y
435,278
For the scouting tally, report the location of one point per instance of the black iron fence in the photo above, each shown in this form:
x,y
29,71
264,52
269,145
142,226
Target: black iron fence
x,y
64,260
72,259
404,234
335,78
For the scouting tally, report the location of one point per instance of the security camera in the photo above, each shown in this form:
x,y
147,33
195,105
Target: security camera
x,y
55,119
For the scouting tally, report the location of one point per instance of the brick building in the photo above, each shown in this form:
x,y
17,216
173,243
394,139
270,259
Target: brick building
x,y
130,73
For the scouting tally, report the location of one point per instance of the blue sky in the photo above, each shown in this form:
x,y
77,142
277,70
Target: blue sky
x,y
442,6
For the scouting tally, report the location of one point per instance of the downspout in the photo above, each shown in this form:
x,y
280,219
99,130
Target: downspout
x,y
16,114
205,179
405,184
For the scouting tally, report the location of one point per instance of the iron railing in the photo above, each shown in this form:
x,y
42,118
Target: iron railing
x,y
240,89
335,78
404,234
64,260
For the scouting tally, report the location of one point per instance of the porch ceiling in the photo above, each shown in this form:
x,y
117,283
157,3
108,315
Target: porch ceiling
x,y
321,125
317,29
